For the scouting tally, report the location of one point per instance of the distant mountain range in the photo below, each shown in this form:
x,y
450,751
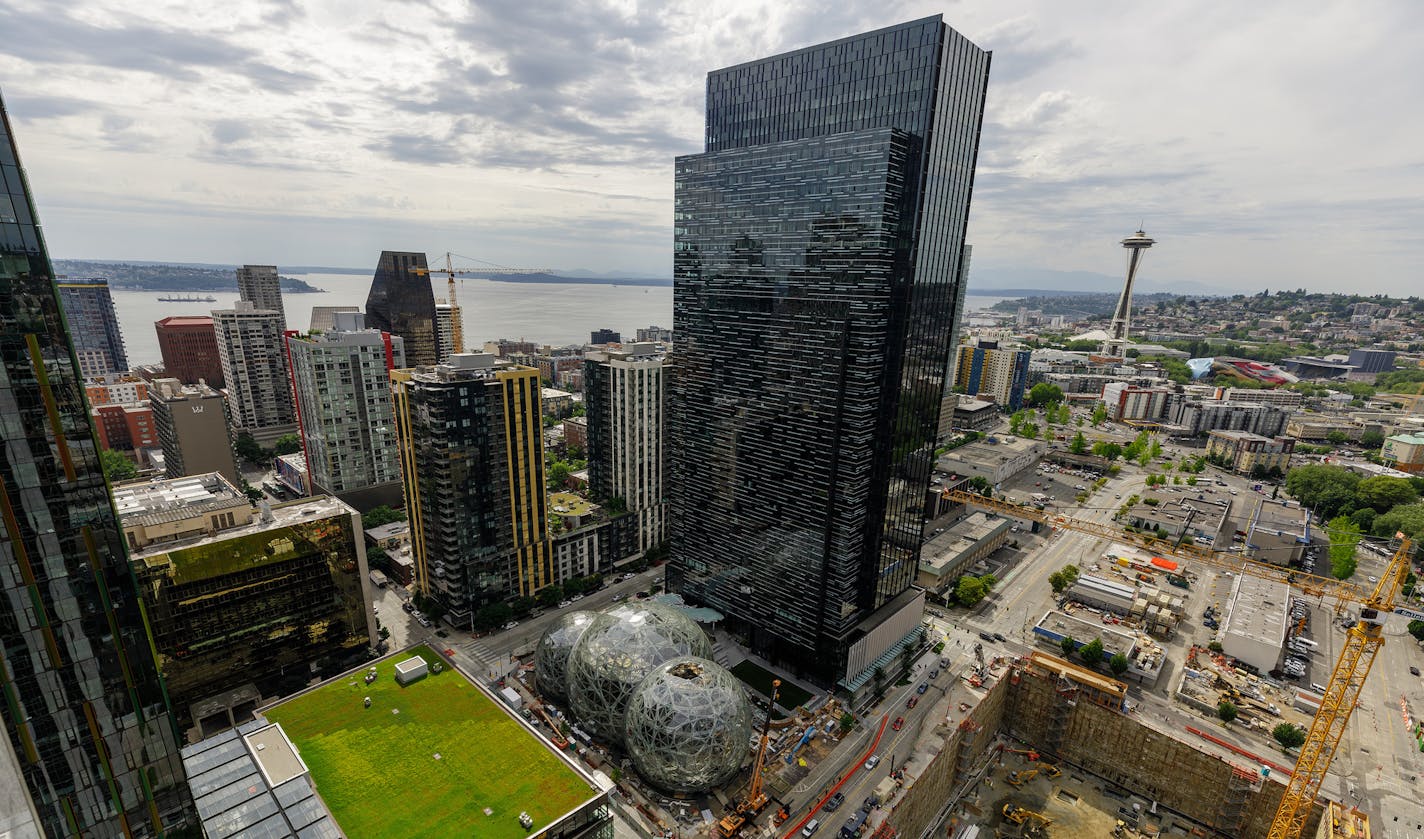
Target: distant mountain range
x,y
161,276
1044,281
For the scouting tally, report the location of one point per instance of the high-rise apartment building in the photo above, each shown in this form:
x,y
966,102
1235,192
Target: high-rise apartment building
x,y
445,316
93,325
817,256
192,424
88,746
262,287
988,371
254,365
244,605
402,302
624,405
190,349
472,456
343,389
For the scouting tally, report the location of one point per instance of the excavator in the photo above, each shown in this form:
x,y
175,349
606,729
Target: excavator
x,y
1021,777
1362,643
1026,817
742,812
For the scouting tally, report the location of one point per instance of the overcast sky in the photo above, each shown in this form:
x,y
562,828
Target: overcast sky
x,y
1265,144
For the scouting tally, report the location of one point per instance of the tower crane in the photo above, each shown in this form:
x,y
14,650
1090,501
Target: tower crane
x,y
1362,642
457,326
746,809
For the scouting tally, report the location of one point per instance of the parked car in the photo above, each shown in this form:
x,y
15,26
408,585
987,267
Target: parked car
x,y
424,621
924,686
999,636
408,606
986,636
898,724
870,801
913,701
564,604
934,674
511,624
872,762
833,802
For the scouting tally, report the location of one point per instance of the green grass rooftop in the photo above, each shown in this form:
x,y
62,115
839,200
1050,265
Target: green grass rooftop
x,y
376,768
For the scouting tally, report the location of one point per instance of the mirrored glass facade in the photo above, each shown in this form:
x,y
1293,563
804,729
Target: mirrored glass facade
x,y
81,702
818,251
402,302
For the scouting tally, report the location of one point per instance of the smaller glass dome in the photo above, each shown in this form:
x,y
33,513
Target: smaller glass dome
x,y
688,725
551,657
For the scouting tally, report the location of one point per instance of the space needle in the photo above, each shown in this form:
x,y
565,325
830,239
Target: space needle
x,y
1116,344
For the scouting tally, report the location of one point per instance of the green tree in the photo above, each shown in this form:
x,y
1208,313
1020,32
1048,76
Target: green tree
x,y
287,444
550,595
1416,628
1100,414
1057,582
117,467
988,581
1044,393
246,448
1091,652
1324,489
1288,735
1118,664
1408,518
1372,439
521,606
1068,645
558,474
384,514
1079,444
1226,712
1344,536
1111,451
847,722
1336,437
1385,493
1364,518
1215,646
969,590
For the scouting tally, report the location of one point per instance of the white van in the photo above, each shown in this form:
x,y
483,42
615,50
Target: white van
x,y
811,827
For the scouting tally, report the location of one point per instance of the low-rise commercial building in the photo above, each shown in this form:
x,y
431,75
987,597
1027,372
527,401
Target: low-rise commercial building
x,y
1144,658
1251,454
975,415
1101,593
953,553
1254,629
996,459
1277,532
1320,429
1404,452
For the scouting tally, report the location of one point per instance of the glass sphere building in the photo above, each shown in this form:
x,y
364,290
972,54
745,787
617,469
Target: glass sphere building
x,y
615,652
551,657
688,725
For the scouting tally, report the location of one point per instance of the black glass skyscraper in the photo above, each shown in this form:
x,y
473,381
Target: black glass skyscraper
x,y
818,245
87,726
402,302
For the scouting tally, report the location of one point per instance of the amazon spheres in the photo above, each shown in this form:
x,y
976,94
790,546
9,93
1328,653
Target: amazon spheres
x,y
641,675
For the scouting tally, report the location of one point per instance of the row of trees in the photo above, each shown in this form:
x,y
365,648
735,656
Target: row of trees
x,y
970,589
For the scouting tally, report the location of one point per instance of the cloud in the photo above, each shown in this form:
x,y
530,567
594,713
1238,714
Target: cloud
x,y
1259,145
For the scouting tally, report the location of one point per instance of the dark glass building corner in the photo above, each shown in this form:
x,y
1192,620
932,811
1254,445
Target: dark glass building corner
x,y
402,302
82,705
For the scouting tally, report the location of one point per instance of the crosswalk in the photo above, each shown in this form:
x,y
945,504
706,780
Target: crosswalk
x,y
482,659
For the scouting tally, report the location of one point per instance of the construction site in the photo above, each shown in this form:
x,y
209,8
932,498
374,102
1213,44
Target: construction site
x,y
1048,750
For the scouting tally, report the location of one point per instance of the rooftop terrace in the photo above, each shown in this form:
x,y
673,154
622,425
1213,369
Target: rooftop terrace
x,y
458,763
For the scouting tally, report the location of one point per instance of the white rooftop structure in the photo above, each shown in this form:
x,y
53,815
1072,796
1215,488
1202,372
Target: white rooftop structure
x,y
1254,630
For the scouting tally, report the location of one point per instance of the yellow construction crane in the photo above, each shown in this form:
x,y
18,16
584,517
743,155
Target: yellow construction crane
x,y
457,326
1362,642
746,809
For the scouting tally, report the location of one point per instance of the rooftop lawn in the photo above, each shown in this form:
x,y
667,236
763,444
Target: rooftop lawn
x,y
788,695
377,770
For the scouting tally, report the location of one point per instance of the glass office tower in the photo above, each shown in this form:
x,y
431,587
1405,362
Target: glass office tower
x,y
818,249
402,302
87,727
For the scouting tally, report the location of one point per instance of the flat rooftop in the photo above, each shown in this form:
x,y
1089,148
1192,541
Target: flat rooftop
x,y
1258,610
444,750
962,536
1070,626
227,550
570,504
158,502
